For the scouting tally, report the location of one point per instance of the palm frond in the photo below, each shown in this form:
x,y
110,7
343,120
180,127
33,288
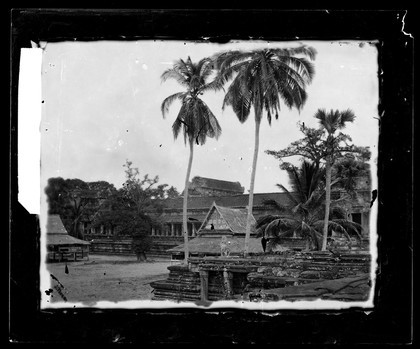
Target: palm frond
x,y
300,50
276,205
206,124
183,122
205,68
352,228
225,60
334,120
173,73
169,100
279,227
215,85
289,195
239,98
346,116
264,220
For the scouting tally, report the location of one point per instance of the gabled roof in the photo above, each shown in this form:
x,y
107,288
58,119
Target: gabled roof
x,y
57,233
235,218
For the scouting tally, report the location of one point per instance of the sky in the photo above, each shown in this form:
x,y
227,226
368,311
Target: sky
x,y
101,106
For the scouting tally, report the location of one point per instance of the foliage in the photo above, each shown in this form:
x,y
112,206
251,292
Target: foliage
x,y
303,214
126,211
261,78
349,160
195,119
143,193
328,146
315,147
347,170
172,193
74,200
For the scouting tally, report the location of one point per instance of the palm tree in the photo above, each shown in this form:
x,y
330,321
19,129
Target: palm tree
x,y
263,78
194,119
332,122
303,214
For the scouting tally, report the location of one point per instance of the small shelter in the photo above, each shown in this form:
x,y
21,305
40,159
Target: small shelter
x,y
221,233
60,245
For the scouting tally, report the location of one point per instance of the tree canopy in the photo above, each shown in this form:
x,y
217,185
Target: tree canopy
x,y
74,200
350,161
303,214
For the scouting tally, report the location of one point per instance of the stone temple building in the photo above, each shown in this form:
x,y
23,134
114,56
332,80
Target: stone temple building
x,y
202,186
206,192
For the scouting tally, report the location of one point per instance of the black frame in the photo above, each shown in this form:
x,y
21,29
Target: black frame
x,y
391,319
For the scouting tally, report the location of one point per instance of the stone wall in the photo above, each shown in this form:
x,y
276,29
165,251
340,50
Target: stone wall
x,y
183,284
122,246
246,275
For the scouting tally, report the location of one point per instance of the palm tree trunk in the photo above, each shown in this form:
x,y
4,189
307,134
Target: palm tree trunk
x,y
327,203
185,205
251,186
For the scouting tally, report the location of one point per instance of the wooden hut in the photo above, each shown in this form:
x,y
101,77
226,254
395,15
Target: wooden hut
x,y
60,245
221,233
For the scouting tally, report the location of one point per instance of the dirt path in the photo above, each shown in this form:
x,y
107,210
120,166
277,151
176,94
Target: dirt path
x,y
105,278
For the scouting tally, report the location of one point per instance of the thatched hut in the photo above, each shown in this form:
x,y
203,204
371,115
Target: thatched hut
x,y
60,245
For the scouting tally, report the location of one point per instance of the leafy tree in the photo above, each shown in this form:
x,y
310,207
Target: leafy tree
x,y
195,119
142,193
348,170
172,193
74,199
342,162
350,161
126,210
303,214
261,79
55,191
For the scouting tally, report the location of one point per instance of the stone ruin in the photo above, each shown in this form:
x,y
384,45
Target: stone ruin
x,y
287,276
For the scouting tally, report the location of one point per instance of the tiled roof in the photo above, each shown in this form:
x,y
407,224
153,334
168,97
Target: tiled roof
x,y
57,233
237,201
60,239
55,225
216,184
235,218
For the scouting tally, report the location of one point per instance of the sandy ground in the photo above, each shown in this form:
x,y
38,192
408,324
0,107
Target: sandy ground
x,y
105,278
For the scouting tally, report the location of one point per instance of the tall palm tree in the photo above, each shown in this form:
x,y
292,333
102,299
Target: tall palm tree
x,y
332,122
261,78
195,119
303,214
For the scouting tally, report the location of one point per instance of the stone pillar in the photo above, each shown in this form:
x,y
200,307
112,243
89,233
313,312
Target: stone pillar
x,y
193,229
227,280
172,229
153,231
204,285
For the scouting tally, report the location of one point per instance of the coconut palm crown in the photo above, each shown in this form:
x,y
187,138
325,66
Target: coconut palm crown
x,y
264,77
195,119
